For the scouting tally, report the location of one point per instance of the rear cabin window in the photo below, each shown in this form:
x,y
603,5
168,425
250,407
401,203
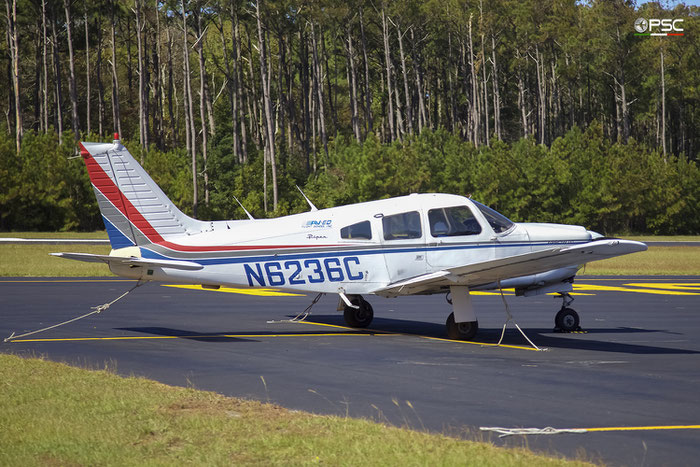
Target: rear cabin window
x,y
359,231
402,226
453,222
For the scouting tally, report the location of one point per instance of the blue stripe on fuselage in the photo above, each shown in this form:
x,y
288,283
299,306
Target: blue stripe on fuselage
x,y
146,253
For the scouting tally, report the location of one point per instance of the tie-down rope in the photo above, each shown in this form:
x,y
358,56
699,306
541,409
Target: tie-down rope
x,y
510,318
301,316
95,310
503,432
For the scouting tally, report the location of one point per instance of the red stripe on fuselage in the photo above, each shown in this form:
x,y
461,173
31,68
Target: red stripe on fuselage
x,y
176,247
111,191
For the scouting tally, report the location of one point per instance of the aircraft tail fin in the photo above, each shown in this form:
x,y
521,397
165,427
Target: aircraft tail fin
x,y
135,210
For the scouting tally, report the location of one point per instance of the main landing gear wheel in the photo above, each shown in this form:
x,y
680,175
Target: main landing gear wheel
x,y
567,320
461,331
358,317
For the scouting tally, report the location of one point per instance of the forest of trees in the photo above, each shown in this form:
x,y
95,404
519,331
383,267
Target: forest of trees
x,y
548,110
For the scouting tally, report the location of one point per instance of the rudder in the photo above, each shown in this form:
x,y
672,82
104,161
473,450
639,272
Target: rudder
x,y
134,208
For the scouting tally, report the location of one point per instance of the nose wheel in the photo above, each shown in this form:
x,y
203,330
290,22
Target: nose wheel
x,y
360,317
567,319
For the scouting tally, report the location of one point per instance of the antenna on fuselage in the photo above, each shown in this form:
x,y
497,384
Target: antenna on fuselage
x,y
313,208
243,207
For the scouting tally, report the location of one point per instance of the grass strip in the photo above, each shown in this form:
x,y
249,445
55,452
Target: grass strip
x,y
661,238
99,234
34,261
54,414
656,261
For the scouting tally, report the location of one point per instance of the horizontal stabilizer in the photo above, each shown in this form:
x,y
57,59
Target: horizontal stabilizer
x,y
131,261
487,272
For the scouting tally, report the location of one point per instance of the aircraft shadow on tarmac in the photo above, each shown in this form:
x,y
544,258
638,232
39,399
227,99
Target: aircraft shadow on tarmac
x,y
543,337
223,336
216,336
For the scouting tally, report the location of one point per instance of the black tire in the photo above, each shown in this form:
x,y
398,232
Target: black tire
x,y
359,317
461,331
567,320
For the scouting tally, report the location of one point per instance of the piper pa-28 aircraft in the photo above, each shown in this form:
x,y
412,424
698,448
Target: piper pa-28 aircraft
x,y
416,244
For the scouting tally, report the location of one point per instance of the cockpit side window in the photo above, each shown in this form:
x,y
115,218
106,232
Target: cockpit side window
x,y
402,226
453,221
498,222
360,231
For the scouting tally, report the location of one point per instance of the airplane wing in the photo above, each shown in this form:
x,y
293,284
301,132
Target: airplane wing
x,y
131,261
487,272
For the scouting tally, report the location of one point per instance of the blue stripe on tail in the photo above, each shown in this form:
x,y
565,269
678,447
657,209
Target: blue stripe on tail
x,y
116,237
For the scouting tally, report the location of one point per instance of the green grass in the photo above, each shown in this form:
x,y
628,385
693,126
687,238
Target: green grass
x,y
662,238
53,414
100,234
26,260
656,261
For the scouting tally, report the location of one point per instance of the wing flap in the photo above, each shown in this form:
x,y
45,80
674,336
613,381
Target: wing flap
x,y
487,272
131,261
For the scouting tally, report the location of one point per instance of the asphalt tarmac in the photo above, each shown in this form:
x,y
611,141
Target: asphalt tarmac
x,y
634,375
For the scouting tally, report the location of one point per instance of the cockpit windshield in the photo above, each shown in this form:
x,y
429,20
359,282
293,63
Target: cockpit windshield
x,y
498,222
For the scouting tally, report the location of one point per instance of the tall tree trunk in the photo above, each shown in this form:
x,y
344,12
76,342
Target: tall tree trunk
x,y
171,91
75,119
143,116
623,94
230,74
306,96
483,73
522,102
100,84
541,110
116,117
36,91
13,36
387,60
240,115
475,94
663,105
87,72
400,130
496,93
353,86
57,76
203,100
418,70
319,90
252,98
158,85
189,114
270,139
45,66
280,119
407,95
450,91
368,92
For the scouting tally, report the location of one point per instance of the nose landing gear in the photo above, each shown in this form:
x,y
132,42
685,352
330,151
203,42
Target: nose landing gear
x,y
359,317
567,319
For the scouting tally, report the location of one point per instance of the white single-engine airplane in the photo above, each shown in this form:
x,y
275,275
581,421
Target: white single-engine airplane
x,y
416,244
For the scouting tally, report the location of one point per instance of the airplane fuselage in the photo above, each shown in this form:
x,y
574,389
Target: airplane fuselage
x,y
356,249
